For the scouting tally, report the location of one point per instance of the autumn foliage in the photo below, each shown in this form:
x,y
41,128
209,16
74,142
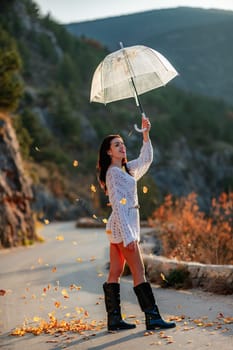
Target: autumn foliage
x,y
189,234
54,326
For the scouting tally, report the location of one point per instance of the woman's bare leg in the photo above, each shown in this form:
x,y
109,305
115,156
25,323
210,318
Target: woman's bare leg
x,y
135,262
117,263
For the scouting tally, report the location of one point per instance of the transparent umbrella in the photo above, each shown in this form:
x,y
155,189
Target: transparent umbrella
x,y
130,72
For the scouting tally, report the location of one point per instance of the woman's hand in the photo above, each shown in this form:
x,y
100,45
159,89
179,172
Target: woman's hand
x,y
146,125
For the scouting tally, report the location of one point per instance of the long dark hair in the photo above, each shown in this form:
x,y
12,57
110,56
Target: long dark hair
x,y
104,160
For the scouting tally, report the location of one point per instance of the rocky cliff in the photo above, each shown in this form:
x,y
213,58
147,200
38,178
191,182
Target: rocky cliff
x,y
16,219
182,169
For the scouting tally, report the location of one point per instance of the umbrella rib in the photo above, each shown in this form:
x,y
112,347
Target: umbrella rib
x,y
163,66
160,60
102,84
132,76
158,77
129,66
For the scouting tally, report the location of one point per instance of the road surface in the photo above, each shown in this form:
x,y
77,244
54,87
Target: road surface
x,y
63,278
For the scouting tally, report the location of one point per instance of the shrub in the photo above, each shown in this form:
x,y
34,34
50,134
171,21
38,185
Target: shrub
x,y
190,235
177,278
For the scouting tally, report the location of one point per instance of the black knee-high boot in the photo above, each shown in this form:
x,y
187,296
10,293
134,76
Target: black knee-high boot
x,y
147,303
112,303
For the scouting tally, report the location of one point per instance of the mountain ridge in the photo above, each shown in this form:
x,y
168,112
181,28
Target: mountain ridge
x,y
170,31
219,15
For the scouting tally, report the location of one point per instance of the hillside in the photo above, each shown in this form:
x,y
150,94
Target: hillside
x,y
56,125
196,41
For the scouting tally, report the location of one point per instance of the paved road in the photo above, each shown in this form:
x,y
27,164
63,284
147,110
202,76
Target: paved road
x,y
47,277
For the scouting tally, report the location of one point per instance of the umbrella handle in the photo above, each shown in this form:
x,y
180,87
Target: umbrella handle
x,y
137,128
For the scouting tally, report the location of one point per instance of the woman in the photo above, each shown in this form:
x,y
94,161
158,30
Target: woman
x,y
119,179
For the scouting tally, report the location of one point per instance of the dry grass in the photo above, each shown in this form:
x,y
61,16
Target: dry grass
x,y
188,234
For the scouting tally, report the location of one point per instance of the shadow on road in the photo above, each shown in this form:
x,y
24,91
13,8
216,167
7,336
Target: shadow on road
x,y
106,341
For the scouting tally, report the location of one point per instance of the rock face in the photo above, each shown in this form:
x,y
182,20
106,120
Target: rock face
x,y
182,170
16,219
212,278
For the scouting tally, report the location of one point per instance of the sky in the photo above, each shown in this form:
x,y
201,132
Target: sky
x,y
66,11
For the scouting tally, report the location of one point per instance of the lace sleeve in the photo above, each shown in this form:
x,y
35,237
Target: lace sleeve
x,y
138,167
115,181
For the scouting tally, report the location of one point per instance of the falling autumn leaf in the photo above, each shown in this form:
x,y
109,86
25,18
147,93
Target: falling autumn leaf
x,y
198,322
163,277
145,189
36,319
123,201
73,286
177,318
228,320
170,340
105,221
146,334
18,332
93,188
54,269
75,163
57,304
60,238
46,221
79,310
209,324
65,293
108,232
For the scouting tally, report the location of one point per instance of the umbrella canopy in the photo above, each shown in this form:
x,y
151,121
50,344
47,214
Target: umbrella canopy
x,y
130,72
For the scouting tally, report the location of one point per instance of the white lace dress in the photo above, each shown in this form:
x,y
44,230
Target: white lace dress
x,y
123,224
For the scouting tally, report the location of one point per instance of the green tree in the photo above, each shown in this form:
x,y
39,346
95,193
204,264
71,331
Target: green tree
x,y
46,47
67,72
11,86
32,9
64,119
